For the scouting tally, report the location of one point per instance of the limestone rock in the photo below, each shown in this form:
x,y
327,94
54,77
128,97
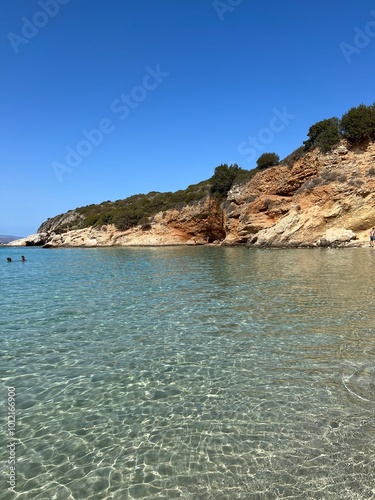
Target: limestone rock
x,y
336,237
38,239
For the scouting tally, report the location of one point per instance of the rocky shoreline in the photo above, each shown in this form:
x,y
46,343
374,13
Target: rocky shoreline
x,y
335,238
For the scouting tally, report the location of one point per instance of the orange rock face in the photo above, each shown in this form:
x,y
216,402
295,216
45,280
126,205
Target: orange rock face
x,y
296,206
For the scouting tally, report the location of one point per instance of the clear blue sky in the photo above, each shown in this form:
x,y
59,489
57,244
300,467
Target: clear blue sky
x,y
177,87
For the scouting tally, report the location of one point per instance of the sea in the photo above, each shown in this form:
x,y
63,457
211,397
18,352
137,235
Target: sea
x,y
187,373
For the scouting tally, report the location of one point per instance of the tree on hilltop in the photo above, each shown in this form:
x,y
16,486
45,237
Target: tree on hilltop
x,y
268,160
225,176
358,123
324,134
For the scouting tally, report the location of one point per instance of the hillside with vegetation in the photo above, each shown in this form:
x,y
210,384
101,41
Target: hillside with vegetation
x,y
238,206
138,209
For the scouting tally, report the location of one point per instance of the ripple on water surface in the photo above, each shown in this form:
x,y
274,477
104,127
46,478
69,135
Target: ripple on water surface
x,y
195,373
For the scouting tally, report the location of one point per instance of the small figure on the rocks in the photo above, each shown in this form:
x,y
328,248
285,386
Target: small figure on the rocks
x,y
372,237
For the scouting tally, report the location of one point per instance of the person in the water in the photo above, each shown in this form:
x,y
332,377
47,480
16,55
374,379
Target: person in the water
x,y
9,259
23,258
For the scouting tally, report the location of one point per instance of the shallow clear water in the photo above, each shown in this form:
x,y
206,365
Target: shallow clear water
x,y
193,373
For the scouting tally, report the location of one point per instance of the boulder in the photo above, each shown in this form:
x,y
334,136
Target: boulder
x,y
337,237
38,239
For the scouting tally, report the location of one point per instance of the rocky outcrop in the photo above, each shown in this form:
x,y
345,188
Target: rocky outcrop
x,y
299,205
53,223
335,237
319,200
38,239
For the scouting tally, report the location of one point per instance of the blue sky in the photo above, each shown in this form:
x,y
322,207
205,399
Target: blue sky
x,y
104,99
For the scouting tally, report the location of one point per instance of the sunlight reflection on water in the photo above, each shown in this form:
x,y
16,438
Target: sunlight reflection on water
x,y
212,373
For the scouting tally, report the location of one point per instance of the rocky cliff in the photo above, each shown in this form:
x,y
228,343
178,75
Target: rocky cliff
x,y
322,199
318,200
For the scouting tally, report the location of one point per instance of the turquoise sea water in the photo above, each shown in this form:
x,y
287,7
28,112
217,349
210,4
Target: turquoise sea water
x,y
192,373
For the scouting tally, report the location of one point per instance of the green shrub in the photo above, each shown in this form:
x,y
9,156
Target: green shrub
x,y
91,219
105,219
324,134
268,160
358,123
225,177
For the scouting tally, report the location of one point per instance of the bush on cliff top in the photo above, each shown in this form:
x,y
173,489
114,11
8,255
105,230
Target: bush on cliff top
x,y
358,124
268,160
324,134
225,177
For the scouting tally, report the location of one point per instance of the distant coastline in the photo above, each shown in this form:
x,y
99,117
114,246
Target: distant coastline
x,y
7,238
